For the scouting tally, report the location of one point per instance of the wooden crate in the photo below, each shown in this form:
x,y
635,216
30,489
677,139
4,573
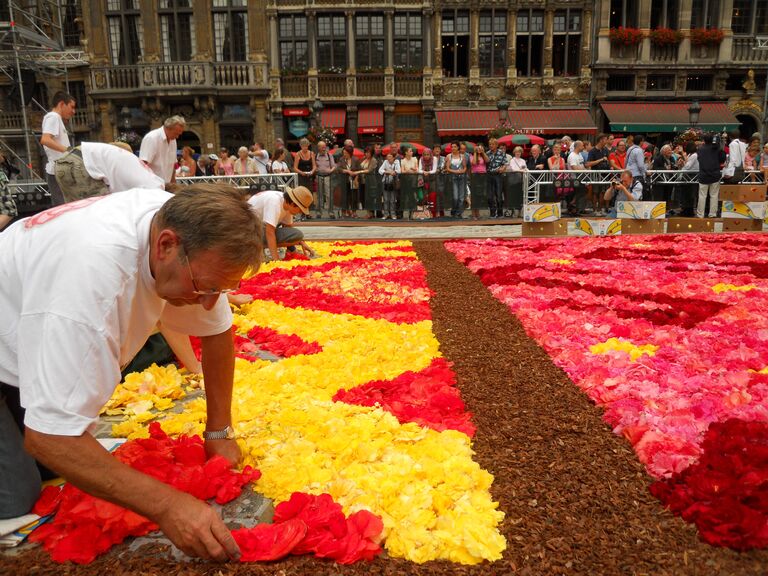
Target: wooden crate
x,y
557,228
742,225
680,225
743,192
634,226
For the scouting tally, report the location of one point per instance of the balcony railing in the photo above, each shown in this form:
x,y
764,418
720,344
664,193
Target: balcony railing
x,y
11,121
666,53
744,50
624,52
370,84
294,86
408,84
184,75
332,85
83,119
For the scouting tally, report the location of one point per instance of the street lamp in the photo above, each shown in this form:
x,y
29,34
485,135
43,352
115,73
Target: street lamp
x,y
125,114
693,113
503,106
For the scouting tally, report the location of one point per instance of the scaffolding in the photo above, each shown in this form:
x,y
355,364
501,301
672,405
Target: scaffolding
x,y
32,39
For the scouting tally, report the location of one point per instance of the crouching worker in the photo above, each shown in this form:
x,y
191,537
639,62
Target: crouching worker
x,y
276,210
82,286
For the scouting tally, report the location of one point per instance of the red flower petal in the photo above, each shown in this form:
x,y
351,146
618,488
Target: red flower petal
x,y
266,542
48,502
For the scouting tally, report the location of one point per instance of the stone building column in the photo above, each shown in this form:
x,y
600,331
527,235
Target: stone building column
x,y
95,43
644,23
437,23
474,41
203,23
427,31
312,38
549,25
511,46
274,46
351,64
257,24
389,30
726,21
151,23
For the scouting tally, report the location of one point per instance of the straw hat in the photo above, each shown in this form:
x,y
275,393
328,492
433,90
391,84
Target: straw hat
x,y
301,196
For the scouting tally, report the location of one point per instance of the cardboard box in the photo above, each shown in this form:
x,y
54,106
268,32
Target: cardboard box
x,y
541,212
634,226
607,227
749,210
743,192
742,225
558,228
680,225
640,210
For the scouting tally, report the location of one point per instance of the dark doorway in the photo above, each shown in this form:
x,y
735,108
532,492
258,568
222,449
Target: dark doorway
x,y
748,125
189,139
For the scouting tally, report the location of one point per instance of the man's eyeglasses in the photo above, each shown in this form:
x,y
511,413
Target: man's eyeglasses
x,y
197,291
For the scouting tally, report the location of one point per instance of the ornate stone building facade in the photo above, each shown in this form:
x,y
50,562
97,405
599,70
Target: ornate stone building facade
x,y
714,59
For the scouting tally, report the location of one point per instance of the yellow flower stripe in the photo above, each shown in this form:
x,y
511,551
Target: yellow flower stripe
x,y
156,387
433,498
719,288
621,345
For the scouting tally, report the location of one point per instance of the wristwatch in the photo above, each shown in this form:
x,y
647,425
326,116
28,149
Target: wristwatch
x,y
227,434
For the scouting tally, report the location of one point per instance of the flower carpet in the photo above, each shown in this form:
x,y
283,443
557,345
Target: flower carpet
x,y
383,393
669,335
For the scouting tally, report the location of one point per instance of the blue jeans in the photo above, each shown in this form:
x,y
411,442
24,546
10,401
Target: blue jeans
x,y
495,195
459,195
19,475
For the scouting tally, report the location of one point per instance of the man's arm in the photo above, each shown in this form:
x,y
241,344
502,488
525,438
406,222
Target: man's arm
x,y
218,374
48,141
270,233
192,525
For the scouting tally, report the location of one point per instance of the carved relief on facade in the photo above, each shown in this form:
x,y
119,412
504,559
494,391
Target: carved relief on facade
x,y
528,90
274,93
547,91
313,87
100,79
147,77
565,90
206,107
681,80
510,91
745,106
454,90
153,108
389,86
427,87
492,89
351,91
198,75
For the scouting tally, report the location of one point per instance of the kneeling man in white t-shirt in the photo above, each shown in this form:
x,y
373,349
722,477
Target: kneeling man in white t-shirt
x,y
277,209
82,286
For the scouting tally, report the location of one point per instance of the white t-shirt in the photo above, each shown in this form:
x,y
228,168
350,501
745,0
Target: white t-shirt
x,y
78,301
159,153
261,158
575,161
118,168
269,206
54,125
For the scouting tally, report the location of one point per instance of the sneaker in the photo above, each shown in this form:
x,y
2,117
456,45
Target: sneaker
x,y
384,217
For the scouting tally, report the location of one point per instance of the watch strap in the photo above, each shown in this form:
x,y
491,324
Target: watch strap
x,y
224,434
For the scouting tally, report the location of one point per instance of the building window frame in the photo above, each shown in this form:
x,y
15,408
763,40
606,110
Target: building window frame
x,y
125,32
177,30
665,14
747,14
529,42
370,40
230,30
566,42
705,13
624,13
408,42
331,42
293,38
492,42
660,83
455,40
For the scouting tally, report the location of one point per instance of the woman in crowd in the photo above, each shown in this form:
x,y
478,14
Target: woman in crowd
x,y
752,159
368,166
565,190
409,167
278,164
244,164
763,163
516,167
389,170
304,165
225,165
437,184
350,166
187,164
456,166
428,170
477,165
618,158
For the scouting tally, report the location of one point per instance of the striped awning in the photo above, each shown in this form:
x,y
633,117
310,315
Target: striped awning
x,y
667,116
335,119
295,111
478,122
370,121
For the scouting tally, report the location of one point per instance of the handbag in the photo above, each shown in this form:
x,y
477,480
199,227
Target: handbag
x,y
421,213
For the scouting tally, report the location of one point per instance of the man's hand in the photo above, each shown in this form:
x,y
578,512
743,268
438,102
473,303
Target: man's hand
x,y
227,448
196,529
306,249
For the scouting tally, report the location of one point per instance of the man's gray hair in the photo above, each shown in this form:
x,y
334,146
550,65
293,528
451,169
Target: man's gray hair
x,y
172,121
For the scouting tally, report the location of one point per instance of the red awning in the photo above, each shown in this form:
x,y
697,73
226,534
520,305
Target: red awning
x,y
667,116
295,111
370,121
335,119
478,122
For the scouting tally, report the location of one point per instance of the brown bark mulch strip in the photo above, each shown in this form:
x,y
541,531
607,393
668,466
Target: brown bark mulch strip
x,y
575,496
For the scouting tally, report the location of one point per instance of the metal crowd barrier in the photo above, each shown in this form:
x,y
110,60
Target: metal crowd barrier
x,y
255,181
534,179
30,195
